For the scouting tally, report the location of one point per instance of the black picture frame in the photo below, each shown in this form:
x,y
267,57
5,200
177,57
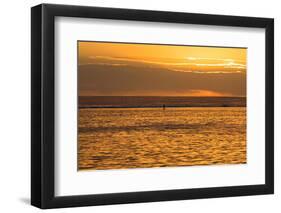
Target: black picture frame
x,y
43,101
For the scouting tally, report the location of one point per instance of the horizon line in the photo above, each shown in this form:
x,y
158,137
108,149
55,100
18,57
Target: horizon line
x,y
162,96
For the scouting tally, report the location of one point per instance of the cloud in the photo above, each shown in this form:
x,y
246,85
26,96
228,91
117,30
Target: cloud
x,y
193,65
97,79
105,64
214,59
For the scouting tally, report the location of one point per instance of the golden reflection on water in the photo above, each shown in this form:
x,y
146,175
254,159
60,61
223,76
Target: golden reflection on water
x,y
153,137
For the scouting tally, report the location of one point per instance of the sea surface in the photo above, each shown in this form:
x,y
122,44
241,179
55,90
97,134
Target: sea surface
x,y
145,137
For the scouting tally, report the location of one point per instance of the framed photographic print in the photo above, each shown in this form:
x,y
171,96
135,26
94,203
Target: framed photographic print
x,y
136,106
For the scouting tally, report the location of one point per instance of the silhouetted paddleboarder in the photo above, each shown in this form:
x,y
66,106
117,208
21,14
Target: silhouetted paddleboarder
x,y
164,106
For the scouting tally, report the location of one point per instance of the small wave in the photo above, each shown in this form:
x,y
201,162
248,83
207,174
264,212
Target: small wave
x,y
158,126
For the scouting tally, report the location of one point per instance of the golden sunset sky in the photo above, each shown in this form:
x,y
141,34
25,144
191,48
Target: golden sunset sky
x,y
110,69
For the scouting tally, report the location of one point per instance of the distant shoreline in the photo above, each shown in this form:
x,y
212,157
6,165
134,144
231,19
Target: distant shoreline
x,y
159,102
118,107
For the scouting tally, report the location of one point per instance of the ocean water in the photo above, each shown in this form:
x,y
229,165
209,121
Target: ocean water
x,y
143,137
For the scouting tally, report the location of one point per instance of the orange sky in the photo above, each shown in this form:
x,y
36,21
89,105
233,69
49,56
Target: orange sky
x,y
165,65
